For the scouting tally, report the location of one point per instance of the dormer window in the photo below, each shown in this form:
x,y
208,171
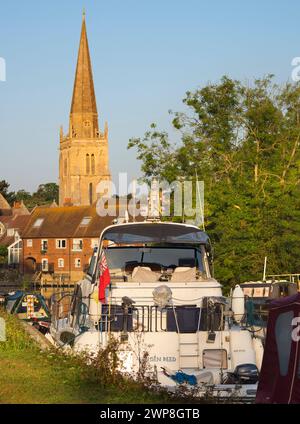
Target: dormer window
x,y
38,222
85,221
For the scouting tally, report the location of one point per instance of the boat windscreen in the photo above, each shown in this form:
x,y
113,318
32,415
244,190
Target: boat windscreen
x,y
155,233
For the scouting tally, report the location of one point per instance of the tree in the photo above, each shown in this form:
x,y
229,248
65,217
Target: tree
x,y
46,193
3,254
8,195
243,141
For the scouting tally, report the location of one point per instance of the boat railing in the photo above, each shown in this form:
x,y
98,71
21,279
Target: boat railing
x,y
72,310
292,278
152,318
140,318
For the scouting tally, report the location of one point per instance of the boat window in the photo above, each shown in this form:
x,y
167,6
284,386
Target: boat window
x,y
169,257
215,358
283,335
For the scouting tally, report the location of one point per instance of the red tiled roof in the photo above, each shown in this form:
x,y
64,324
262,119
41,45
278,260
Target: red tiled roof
x,y
4,206
6,241
65,222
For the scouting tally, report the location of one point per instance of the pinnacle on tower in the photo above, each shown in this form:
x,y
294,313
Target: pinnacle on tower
x,y
84,115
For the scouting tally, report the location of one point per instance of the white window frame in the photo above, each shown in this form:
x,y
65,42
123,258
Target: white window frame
x,y
42,244
10,232
77,241
76,264
94,243
29,243
61,263
59,243
45,268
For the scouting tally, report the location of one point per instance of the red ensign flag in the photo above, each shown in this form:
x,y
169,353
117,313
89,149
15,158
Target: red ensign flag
x,y
104,279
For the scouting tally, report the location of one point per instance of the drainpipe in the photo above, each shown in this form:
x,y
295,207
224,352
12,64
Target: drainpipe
x,y
69,241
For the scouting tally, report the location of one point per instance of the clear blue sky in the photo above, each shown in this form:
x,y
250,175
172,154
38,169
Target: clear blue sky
x,y
145,55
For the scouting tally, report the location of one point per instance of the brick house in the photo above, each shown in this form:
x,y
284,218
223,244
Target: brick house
x,y
13,221
58,242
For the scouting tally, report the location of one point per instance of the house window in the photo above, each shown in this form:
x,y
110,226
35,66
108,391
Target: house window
x,y
77,245
61,263
10,232
45,265
61,244
29,243
94,243
44,246
77,263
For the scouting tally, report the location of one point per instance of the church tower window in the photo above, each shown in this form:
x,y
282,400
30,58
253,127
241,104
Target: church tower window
x,y
65,167
91,193
87,163
93,164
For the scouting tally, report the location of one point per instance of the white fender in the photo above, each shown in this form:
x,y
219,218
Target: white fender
x,y
95,307
259,351
237,303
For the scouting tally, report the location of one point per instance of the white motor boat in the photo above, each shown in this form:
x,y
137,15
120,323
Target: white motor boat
x,y
163,300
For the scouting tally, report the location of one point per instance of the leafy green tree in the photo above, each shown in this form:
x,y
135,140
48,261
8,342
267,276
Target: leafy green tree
x,y
243,142
46,193
3,254
8,195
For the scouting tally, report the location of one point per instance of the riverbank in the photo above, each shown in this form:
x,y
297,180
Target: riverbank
x,y
28,375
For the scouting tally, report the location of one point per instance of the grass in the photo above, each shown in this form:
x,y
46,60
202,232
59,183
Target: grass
x,y
28,375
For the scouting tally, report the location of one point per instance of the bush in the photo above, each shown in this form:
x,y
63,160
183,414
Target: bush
x,y
3,254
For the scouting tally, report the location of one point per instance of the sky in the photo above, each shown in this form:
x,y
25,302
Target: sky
x,y
145,56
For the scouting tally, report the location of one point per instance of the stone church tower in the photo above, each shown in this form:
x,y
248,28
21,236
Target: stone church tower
x,y
83,159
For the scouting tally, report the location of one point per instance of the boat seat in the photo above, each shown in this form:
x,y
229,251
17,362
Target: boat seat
x,y
184,274
182,268
144,274
129,266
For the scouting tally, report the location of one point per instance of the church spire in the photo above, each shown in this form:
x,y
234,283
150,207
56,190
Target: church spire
x,y
84,116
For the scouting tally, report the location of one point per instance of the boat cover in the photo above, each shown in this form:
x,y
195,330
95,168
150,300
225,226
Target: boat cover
x,y
155,233
279,380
